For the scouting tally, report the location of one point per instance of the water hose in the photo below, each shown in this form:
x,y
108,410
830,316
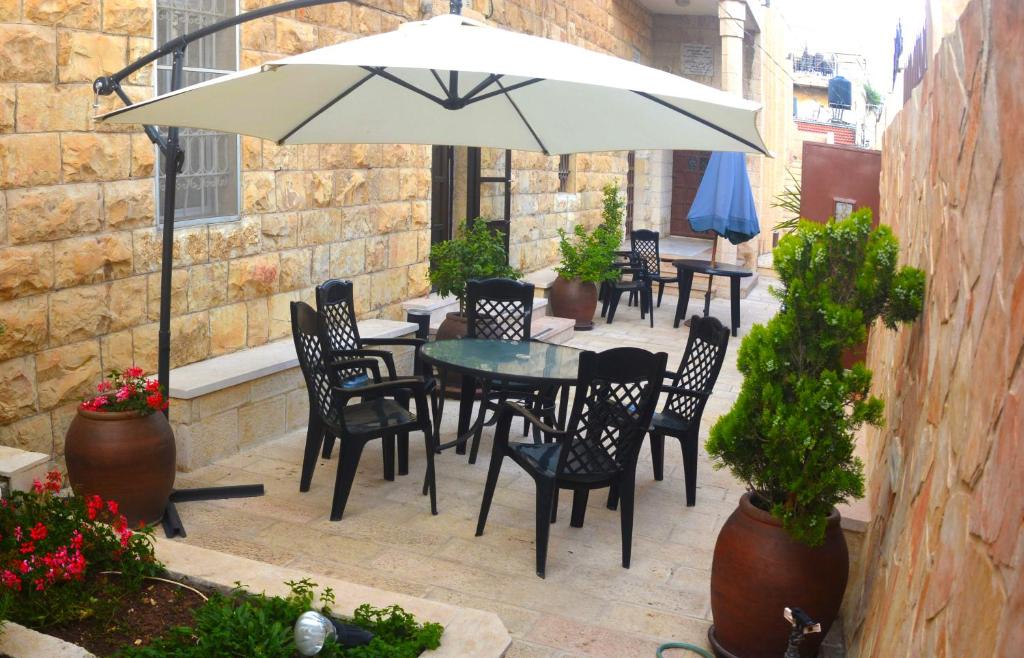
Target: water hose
x,y
683,645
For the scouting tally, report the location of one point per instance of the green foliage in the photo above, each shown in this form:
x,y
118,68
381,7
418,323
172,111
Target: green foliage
x,y
244,624
477,253
790,434
789,201
52,547
590,256
871,95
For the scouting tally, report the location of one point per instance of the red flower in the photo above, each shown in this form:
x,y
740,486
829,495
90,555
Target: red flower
x,y
152,386
37,486
112,506
24,567
93,504
38,532
76,540
156,401
133,372
54,481
10,580
40,584
104,386
27,547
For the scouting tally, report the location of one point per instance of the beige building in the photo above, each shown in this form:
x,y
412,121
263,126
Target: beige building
x,y
261,225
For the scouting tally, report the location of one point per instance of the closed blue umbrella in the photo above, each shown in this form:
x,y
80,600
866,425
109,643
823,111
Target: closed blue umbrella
x,y
724,204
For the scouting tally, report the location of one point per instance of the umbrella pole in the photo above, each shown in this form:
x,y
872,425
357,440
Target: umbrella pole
x,y
707,295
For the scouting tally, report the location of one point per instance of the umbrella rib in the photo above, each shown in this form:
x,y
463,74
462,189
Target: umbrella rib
x,y
698,119
390,77
492,94
484,84
326,107
440,82
543,148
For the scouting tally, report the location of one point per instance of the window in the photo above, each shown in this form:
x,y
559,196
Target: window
x,y
567,174
208,186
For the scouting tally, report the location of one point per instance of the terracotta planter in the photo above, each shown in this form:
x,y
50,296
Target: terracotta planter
x,y
125,457
453,326
758,570
575,299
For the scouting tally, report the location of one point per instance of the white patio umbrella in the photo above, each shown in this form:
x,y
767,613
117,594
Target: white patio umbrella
x,y
453,80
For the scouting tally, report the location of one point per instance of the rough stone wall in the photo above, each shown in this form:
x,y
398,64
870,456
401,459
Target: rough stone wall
x,y
944,556
79,245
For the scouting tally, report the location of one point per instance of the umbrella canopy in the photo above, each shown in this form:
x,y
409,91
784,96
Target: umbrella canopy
x,y
453,80
724,201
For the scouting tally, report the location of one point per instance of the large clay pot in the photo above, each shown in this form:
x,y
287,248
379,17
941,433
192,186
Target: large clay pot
x,y
122,456
453,326
575,299
758,570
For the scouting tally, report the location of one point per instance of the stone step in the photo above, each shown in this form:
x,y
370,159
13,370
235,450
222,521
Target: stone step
x,y
551,329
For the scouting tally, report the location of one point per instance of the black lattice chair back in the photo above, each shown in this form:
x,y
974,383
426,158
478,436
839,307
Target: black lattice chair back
x,y
615,399
645,246
499,309
309,348
334,303
699,368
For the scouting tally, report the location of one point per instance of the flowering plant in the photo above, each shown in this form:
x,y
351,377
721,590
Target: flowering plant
x,y
51,546
127,390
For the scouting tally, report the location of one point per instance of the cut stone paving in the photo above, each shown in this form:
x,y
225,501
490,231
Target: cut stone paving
x,y
587,606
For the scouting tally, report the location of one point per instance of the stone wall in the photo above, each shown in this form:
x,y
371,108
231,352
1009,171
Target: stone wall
x,y
944,553
79,244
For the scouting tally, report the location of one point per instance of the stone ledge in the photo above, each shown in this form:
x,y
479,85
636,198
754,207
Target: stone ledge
x,y
17,641
20,467
468,633
204,377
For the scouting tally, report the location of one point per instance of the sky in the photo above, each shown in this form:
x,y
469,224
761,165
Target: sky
x,y
865,27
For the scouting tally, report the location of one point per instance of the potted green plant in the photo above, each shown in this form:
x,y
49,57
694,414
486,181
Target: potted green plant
x,y
790,435
120,446
588,259
476,253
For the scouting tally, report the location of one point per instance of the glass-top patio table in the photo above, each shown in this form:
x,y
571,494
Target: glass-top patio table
x,y
531,362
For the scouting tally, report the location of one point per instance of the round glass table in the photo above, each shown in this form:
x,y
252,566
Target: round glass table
x,y
532,362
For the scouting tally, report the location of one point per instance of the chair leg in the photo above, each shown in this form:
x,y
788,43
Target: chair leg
x,y
349,462
403,453
661,291
689,444
658,455
475,446
328,438
613,497
388,450
615,296
497,455
626,491
314,439
545,497
430,481
438,400
649,293
554,506
579,507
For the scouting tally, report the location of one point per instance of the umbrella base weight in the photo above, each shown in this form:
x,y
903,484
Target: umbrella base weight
x,y
173,527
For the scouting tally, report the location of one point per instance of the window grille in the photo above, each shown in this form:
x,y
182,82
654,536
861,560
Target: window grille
x,y
630,192
207,188
565,174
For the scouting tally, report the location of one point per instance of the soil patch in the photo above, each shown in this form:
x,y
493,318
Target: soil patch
x,y
133,618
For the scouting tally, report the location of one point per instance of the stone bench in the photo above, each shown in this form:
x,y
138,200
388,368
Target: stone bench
x,y
232,402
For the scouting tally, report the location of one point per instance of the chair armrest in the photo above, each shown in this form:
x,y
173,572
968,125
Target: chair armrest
x,y
516,408
413,342
383,355
679,390
397,386
346,363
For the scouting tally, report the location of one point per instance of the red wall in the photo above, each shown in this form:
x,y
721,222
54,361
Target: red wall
x,y
831,172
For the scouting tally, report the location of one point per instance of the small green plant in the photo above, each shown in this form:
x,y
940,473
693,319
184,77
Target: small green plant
x,y
789,201
871,96
241,623
590,256
790,434
477,253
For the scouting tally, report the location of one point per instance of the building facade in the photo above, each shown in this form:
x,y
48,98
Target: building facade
x,y
260,225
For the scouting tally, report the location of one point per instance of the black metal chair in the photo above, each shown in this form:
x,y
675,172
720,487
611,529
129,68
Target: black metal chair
x,y
639,285
615,398
501,309
334,302
688,393
646,245
377,416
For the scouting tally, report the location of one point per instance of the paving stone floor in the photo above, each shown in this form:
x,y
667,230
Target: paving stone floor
x,y
587,606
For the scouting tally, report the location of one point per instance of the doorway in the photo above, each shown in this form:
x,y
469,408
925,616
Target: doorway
x,y
688,169
442,173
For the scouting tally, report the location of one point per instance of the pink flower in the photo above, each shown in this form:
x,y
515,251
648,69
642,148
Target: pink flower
x,y
76,540
37,486
17,533
124,393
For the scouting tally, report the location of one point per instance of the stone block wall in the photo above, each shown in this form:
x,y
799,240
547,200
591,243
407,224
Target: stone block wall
x,y
79,242
943,568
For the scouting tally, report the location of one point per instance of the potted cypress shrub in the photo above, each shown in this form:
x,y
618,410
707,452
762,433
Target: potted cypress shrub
x,y
476,253
588,259
791,433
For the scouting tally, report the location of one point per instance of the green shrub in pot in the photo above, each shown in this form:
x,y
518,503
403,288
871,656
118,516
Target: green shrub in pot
x,y
590,255
477,253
